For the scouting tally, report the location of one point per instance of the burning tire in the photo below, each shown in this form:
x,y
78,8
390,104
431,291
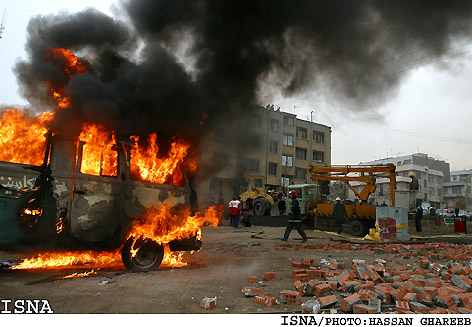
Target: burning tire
x,y
148,257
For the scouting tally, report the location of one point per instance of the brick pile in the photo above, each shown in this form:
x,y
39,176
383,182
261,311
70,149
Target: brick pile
x,y
438,280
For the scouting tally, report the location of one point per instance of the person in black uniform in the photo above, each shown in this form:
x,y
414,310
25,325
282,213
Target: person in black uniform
x,y
418,217
339,213
294,218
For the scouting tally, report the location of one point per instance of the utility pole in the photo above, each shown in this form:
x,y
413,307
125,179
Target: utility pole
x,y
2,26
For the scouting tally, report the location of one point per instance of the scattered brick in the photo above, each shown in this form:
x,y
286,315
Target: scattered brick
x,y
366,295
300,287
298,272
462,282
265,300
311,306
307,261
251,291
302,278
208,303
419,308
376,304
326,301
410,297
269,276
402,306
252,279
350,286
350,301
291,298
321,289
366,286
445,301
363,309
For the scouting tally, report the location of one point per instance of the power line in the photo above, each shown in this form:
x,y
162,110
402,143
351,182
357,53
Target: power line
x,y
408,133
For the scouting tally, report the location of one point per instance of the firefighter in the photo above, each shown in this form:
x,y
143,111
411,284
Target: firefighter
x,y
294,218
235,211
339,214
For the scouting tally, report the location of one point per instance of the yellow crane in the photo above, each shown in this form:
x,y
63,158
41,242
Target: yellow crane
x,y
361,216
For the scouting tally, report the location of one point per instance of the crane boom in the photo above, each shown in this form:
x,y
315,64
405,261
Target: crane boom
x,y
364,174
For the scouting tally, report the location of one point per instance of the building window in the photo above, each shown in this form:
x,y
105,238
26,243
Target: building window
x,y
407,162
287,161
287,139
285,181
456,190
250,164
431,191
301,133
418,174
468,189
439,180
318,137
430,178
381,189
300,153
272,168
274,125
425,183
289,121
300,173
318,156
439,192
273,146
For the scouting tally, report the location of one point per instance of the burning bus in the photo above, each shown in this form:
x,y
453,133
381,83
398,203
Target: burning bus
x,y
95,192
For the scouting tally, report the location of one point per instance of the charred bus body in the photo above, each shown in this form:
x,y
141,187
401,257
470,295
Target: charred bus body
x,y
56,205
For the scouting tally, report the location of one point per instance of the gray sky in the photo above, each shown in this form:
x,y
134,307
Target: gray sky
x,y
430,112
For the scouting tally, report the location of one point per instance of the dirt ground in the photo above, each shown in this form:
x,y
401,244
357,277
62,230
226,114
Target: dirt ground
x,y
220,269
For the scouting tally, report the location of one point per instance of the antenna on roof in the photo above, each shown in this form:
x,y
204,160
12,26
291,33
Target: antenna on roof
x,y
2,26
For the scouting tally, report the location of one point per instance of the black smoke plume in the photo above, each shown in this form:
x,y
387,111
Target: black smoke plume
x,y
174,62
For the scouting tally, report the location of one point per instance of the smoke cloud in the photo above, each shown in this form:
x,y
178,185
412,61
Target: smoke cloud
x,y
175,62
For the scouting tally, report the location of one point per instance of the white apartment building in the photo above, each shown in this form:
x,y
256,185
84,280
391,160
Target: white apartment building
x,y
458,190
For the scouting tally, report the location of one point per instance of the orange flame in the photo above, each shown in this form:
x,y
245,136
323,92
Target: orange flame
x,y
165,223
67,59
70,258
79,275
98,157
70,64
147,166
23,136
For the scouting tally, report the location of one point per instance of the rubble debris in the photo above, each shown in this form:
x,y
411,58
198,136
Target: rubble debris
x,y
208,303
290,297
252,279
251,291
311,306
269,276
265,300
438,280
